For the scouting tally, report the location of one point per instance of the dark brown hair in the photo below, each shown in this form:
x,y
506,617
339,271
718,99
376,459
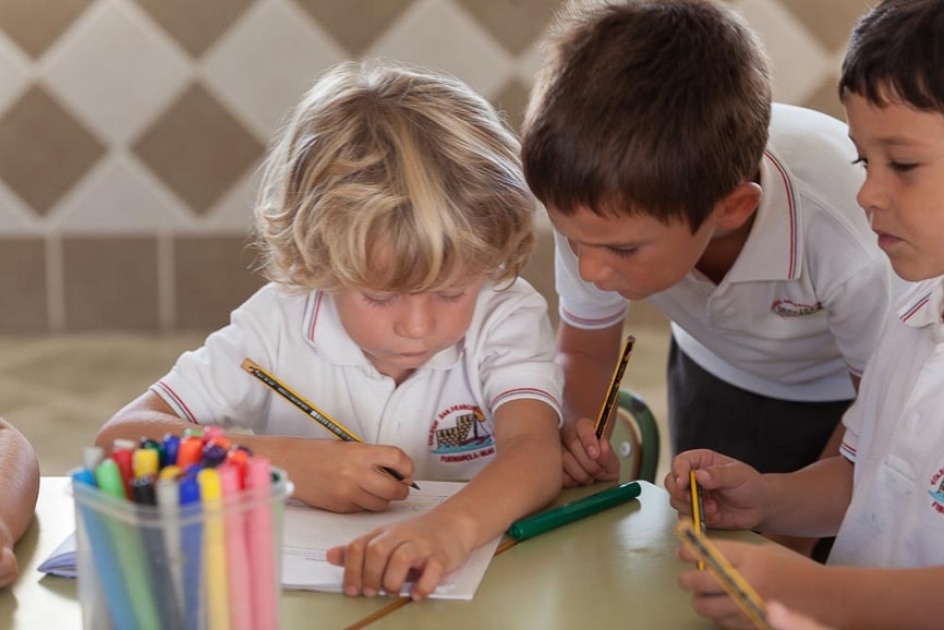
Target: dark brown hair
x,y
896,52
658,107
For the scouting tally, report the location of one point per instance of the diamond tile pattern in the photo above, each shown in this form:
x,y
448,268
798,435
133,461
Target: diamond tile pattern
x,y
44,151
197,148
355,24
35,24
131,131
514,23
194,24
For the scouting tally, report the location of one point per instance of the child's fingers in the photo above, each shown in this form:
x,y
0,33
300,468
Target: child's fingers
x,y
586,434
335,556
577,465
354,567
429,579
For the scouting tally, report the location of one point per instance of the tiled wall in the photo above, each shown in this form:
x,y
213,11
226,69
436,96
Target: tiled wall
x,y
131,130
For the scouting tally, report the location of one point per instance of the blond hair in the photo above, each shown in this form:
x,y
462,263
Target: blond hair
x,y
393,178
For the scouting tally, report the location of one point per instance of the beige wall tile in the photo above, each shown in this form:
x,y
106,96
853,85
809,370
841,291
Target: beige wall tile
x,y
44,151
36,24
195,25
211,278
514,23
355,24
110,283
22,285
830,21
198,148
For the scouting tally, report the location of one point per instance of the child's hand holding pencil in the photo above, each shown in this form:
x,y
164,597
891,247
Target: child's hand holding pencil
x,y
587,456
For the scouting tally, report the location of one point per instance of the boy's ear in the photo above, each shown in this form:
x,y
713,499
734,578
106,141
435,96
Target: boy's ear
x,y
738,205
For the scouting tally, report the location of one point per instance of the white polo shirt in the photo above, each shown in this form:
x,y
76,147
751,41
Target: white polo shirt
x,y
895,437
442,416
806,299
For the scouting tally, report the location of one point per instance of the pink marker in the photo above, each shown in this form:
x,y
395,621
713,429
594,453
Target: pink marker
x,y
259,533
237,553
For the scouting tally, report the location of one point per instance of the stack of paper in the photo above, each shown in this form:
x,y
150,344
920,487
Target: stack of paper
x,y
309,533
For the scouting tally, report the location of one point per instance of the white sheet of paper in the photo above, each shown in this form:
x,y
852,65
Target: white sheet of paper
x,y
309,533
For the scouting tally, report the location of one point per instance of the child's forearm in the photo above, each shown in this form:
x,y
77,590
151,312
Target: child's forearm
x,y
811,501
523,478
587,358
19,470
852,597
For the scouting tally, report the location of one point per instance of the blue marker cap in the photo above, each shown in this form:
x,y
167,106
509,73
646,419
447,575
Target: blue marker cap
x,y
189,490
84,476
171,447
213,455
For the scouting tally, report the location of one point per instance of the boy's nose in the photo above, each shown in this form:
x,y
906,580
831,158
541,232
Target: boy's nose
x,y
416,319
591,266
869,196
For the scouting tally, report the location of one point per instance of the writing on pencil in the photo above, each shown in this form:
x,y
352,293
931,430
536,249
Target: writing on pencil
x,y
313,412
613,389
698,510
733,582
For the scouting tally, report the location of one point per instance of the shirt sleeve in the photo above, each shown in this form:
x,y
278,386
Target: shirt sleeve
x,y
209,386
515,349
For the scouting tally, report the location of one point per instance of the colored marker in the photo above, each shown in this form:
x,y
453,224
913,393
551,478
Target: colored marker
x,y
263,578
104,556
145,462
171,445
214,546
128,549
168,503
123,452
192,549
190,451
237,556
145,494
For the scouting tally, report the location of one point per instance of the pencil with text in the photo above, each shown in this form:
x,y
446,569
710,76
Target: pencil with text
x,y
734,584
613,390
311,410
698,511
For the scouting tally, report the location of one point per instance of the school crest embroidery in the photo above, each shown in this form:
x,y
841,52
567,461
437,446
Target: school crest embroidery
x,y
789,308
461,433
936,491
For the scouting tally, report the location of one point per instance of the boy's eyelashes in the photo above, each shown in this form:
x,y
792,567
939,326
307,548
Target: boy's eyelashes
x,y
623,252
901,167
381,299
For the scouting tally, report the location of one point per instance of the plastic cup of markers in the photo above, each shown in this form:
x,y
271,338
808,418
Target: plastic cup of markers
x,y
211,563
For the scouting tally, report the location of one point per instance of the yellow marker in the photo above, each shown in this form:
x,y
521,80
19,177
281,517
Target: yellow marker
x,y
145,461
613,390
214,550
698,512
734,584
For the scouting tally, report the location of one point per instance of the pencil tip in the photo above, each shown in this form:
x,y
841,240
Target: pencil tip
x,y
413,485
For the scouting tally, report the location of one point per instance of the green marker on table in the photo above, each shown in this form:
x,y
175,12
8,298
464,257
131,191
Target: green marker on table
x,y
573,511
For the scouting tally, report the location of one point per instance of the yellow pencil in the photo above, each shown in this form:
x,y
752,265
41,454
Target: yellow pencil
x,y
313,412
698,513
613,390
734,584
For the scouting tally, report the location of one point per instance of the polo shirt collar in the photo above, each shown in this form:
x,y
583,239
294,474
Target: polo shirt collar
x,y
774,248
924,306
322,329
